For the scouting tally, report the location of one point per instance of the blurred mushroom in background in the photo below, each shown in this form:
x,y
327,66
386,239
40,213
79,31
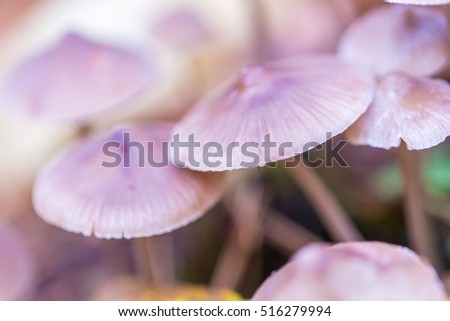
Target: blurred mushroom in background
x,y
353,271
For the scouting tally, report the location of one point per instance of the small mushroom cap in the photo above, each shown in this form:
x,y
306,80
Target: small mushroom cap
x,y
77,192
74,81
420,2
415,110
295,101
398,38
353,271
16,273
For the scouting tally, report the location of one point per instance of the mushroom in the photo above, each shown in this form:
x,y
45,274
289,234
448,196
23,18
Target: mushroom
x,y
11,12
104,185
353,271
74,81
411,113
292,102
26,145
245,238
415,110
398,38
16,272
415,41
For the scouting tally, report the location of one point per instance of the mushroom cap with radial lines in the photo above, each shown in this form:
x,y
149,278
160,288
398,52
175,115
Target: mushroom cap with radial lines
x,y
296,101
353,271
16,272
398,38
415,110
75,192
420,2
74,81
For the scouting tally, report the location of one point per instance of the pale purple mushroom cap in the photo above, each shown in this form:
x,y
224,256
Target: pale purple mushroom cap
x,y
16,273
420,2
415,110
295,101
398,38
74,81
353,271
75,192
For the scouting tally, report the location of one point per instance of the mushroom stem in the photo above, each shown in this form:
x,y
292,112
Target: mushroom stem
x,y
417,224
154,259
285,234
161,259
243,240
140,259
332,214
260,45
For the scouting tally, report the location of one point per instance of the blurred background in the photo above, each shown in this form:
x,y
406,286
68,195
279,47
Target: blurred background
x,y
195,46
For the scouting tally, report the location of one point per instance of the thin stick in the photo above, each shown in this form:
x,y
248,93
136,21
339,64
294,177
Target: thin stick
x,y
141,260
333,216
244,238
285,234
231,265
417,224
154,259
162,260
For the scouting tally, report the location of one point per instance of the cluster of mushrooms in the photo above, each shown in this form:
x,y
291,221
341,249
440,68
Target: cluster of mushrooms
x,y
379,89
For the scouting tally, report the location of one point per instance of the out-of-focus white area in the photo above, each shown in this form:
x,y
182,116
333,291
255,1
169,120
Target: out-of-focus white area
x,y
25,146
